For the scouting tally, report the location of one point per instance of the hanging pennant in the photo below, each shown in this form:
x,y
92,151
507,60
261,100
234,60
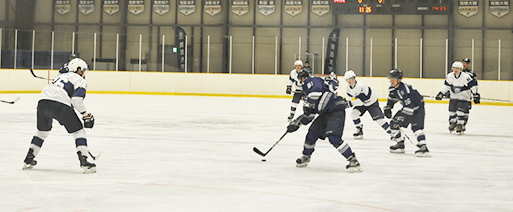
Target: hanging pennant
x,y
293,7
240,7
110,6
499,8
212,7
136,6
266,7
186,7
86,6
62,6
468,8
161,7
320,8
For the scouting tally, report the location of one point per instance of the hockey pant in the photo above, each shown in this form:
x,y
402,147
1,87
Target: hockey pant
x,y
459,111
417,124
329,125
375,112
47,110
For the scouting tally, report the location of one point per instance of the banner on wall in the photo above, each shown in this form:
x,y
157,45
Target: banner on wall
x,y
468,8
499,8
180,44
266,7
86,6
136,6
62,6
240,7
293,7
212,7
110,6
320,7
331,52
186,7
161,7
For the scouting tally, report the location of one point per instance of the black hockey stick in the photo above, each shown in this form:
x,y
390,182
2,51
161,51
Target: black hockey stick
x,y
33,74
11,102
264,154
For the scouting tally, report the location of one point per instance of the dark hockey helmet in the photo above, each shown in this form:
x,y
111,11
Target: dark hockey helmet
x,y
303,74
396,74
73,56
466,60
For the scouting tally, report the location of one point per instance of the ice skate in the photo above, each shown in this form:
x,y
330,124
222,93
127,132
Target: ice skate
x,y
452,126
354,165
422,151
459,129
291,117
303,161
86,165
397,148
29,161
358,135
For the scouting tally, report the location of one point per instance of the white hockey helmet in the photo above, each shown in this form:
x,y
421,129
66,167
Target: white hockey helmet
x,y
458,64
76,64
298,62
349,74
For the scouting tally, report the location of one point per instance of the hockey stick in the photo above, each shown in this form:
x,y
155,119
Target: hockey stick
x,y
33,74
11,102
498,100
97,156
405,135
264,154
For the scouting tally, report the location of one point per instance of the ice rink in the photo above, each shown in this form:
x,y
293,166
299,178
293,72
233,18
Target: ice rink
x,y
194,153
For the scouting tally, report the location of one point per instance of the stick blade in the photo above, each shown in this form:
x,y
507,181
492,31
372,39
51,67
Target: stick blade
x,y
17,98
258,151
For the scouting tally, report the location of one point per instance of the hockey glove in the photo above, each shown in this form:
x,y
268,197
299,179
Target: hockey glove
x,y
477,98
289,89
439,96
88,120
308,108
400,120
388,111
349,103
294,125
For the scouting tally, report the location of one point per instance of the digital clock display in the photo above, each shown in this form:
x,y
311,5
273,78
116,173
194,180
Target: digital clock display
x,y
432,7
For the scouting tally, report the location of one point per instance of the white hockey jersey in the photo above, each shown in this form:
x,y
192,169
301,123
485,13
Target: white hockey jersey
x,y
67,88
460,86
363,94
294,80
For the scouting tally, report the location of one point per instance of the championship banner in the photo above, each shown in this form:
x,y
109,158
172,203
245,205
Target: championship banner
x,y
180,44
320,7
331,52
110,6
136,6
468,8
240,7
266,7
499,8
86,6
293,7
161,7
186,7
62,6
212,7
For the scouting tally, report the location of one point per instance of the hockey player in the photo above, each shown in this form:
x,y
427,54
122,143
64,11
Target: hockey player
x,y
298,94
412,113
328,124
58,101
365,100
64,68
461,87
477,100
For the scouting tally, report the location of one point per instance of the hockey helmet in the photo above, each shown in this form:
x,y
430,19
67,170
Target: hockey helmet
x,y
73,56
303,74
396,74
349,75
457,64
76,64
466,60
298,62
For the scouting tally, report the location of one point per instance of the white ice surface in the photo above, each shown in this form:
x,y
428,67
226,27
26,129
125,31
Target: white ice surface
x,y
193,153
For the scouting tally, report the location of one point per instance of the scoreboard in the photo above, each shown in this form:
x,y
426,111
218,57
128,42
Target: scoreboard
x,y
408,7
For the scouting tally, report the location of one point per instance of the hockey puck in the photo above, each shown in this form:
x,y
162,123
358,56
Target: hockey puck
x,y
263,160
